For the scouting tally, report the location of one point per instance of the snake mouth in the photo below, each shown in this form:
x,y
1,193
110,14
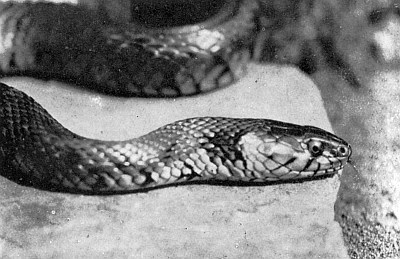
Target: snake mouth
x,y
335,170
180,15
312,174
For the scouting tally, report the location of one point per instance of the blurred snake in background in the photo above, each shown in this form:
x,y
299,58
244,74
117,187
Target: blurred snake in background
x,y
148,58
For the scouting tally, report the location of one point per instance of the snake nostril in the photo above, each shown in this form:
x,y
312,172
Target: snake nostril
x,y
343,151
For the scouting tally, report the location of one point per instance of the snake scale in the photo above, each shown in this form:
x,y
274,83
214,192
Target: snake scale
x,y
168,62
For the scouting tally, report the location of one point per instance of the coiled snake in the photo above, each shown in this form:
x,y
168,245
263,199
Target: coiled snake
x,y
168,62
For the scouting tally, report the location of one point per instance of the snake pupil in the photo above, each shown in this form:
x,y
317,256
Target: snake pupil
x,y
315,147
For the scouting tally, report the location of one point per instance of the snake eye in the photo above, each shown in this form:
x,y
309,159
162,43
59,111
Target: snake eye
x,y
343,151
315,147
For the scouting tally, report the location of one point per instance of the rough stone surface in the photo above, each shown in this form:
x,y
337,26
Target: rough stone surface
x,y
197,221
367,115
351,49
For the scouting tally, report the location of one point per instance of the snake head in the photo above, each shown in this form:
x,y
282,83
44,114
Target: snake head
x,y
321,145
284,152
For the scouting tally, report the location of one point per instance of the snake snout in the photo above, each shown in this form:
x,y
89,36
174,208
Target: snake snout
x,y
344,151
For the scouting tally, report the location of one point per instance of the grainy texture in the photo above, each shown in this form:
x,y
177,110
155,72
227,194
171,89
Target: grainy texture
x,y
199,221
369,239
350,48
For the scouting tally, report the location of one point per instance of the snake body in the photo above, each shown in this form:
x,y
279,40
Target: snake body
x,y
34,147
207,148
81,46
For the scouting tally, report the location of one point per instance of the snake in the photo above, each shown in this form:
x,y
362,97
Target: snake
x,y
169,62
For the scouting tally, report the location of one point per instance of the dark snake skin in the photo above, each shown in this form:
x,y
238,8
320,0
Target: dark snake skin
x,y
36,148
80,46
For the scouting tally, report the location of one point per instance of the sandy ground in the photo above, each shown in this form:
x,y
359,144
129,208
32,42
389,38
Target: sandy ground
x,y
199,221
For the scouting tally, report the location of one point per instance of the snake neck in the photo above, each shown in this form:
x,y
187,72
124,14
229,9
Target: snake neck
x,y
22,117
